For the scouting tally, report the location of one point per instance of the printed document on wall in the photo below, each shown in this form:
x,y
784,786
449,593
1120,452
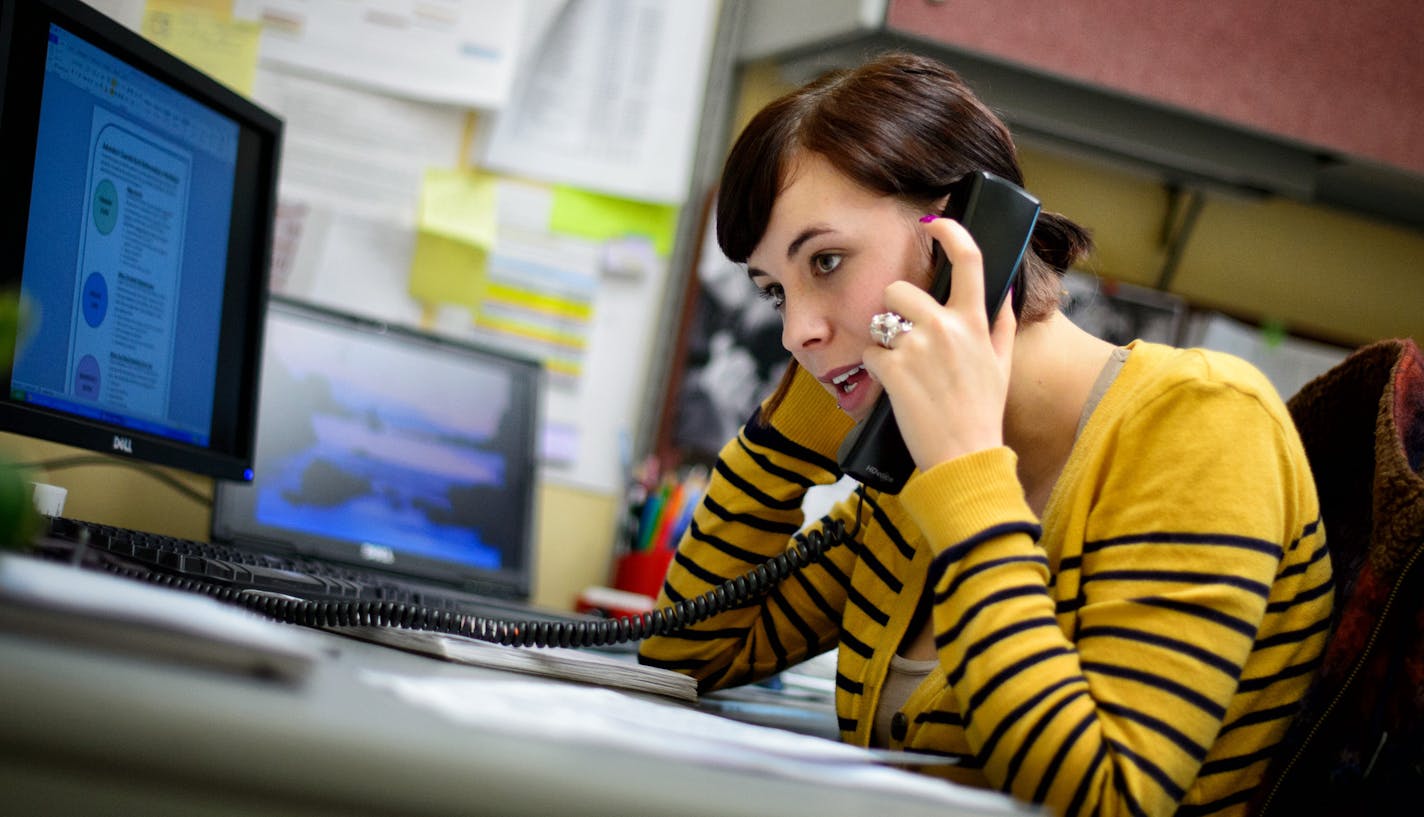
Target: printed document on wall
x,y
457,52
610,100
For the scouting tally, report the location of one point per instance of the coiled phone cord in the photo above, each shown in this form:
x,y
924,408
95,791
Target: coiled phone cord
x,y
732,593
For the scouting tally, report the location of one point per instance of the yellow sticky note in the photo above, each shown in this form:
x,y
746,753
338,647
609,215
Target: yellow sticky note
x,y
204,36
459,205
601,218
444,270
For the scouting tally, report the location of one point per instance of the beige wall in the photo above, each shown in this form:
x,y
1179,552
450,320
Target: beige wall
x,y
1320,272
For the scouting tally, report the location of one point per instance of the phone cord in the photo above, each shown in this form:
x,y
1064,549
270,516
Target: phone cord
x,y
729,595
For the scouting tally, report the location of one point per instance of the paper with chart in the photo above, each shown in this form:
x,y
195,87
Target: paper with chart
x,y
611,99
127,273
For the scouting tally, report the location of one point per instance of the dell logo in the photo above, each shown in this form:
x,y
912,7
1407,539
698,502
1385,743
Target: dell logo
x,y
124,444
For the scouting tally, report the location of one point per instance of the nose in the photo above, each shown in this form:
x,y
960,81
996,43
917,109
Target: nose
x,y
805,324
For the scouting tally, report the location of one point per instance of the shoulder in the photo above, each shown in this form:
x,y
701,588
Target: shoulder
x,y
1155,372
1196,392
1153,365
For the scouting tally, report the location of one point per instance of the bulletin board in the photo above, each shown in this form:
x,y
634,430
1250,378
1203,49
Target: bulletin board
x,y
512,174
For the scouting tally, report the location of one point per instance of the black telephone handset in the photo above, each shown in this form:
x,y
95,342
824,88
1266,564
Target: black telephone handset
x,y
1000,216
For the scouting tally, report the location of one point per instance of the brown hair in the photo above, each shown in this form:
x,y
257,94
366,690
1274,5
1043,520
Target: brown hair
x,y
900,125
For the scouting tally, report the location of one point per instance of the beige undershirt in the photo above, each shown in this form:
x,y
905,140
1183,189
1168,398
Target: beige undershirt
x,y
905,674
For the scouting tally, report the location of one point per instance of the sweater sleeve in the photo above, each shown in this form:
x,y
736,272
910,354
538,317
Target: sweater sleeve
x,y
750,514
1108,702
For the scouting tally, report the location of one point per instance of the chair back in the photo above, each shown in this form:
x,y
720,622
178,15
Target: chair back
x,y
1357,745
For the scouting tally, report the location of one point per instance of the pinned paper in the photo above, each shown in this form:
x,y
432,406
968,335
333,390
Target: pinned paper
x,y
446,271
459,205
630,257
204,34
455,231
603,218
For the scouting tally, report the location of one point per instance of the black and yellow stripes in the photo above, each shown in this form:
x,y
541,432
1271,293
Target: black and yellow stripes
x,y
750,514
1139,649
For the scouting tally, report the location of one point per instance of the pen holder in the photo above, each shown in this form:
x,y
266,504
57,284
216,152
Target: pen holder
x,y
643,571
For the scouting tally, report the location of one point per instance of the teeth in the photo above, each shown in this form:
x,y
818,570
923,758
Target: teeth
x,y
840,379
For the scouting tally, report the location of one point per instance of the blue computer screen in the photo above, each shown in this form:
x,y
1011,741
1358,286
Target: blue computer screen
x,y
126,248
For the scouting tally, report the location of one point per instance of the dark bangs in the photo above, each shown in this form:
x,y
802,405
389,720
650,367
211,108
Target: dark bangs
x,y
904,127
752,175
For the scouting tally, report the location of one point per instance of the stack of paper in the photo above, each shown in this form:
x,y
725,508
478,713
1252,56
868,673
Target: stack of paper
x,y
585,666
59,602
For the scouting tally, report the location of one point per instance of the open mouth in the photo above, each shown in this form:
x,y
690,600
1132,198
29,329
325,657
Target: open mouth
x,y
844,382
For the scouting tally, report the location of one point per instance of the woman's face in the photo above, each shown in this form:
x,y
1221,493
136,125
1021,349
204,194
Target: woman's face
x,y
830,249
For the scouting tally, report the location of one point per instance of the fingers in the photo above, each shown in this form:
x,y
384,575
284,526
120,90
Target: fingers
x,y
967,278
966,292
909,301
967,265
1001,334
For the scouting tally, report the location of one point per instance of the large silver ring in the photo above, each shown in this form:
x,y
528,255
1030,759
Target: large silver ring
x,y
886,326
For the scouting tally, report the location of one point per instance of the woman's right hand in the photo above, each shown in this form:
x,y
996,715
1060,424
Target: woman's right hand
x,y
948,377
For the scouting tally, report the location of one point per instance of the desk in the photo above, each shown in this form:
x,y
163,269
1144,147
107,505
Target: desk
x,y
84,731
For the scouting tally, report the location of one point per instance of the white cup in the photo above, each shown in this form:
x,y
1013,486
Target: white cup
x,y
49,499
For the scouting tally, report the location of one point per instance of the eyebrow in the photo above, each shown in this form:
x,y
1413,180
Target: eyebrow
x,y
805,235
794,247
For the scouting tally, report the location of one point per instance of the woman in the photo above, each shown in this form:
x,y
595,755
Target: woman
x,y
1105,587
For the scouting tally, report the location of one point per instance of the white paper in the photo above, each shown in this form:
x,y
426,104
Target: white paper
x,y
581,665
66,603
611,100
357,151
453,51
127,12
356,264
598,408
605,718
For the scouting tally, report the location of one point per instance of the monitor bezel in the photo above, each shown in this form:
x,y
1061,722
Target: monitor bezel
x,y
232,446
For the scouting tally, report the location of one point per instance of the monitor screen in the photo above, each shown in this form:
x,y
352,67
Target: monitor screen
x,y
390,447
144,194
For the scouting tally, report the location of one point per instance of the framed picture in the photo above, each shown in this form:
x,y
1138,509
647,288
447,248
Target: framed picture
x,y
728,356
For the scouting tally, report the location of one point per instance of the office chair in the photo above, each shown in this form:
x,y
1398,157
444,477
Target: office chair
x,y
1357,744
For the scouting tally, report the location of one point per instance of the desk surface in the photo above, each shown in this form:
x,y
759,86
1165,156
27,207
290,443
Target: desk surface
x,y
87,731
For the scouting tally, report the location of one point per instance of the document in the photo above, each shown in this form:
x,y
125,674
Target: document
x,y
60,602
611,720
610,100
585,666
459,52
121,351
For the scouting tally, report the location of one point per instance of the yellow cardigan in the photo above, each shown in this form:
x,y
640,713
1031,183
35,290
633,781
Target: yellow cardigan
x,y
1141,649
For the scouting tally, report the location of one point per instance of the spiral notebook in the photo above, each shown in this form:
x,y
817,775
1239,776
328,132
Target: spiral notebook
x,y
393,456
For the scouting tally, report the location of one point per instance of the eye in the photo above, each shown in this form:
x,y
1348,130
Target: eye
x,y
826,262
773,293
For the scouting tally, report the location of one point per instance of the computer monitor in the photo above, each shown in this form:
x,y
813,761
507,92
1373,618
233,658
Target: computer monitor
x,y
389,447
142,196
